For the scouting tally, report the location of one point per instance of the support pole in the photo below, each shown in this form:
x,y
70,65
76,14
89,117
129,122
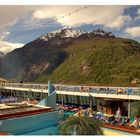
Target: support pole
x,y
129,108
24,95
62,100
41,97
90,102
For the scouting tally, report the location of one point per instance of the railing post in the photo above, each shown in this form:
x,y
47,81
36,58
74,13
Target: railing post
x,y
106,90
129,108
117,90
62,100
139,91
90,101
127,91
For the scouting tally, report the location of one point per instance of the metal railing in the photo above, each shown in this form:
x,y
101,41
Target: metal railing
x,y
73,88
24,85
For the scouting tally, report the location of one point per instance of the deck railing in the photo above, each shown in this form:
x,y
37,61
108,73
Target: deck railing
x,y
73,88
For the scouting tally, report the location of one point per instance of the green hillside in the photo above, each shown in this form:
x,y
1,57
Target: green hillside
x,y
99,61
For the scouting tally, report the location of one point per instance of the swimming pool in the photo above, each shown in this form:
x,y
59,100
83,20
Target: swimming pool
x,y
26,124
51,128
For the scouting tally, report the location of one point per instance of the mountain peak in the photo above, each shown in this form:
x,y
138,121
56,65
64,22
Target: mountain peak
x,y
68,32
72,33
102,33
62,33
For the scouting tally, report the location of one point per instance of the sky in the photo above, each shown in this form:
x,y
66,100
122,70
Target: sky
x,y
22,24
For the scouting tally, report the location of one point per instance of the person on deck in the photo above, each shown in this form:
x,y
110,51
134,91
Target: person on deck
x,y
118,112
127,121
111,119
136,122
119,120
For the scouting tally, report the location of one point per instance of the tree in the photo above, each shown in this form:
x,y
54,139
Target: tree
x,y
135,108
80,126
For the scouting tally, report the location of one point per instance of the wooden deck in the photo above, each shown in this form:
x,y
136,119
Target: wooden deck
x,y
123,128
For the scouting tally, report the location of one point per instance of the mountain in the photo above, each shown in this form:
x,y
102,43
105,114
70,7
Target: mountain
x,y
110,61
75,57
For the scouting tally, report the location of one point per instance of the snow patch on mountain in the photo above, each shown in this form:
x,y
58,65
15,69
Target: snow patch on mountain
x,y
63,33
71,33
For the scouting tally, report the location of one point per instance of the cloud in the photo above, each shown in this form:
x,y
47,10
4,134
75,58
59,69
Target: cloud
x,y
19,19
138,11
138,14
109,16
120,21
4,35
8,47
137,17
9,14
133,31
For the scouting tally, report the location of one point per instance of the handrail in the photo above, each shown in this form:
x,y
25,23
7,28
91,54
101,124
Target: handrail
x,y
75,88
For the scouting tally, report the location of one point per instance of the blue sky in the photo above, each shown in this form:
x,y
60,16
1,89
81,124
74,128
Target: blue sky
x,y
22,24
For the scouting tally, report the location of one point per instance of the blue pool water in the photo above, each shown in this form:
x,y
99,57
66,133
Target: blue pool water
x,y
28,124
41,124
53,130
